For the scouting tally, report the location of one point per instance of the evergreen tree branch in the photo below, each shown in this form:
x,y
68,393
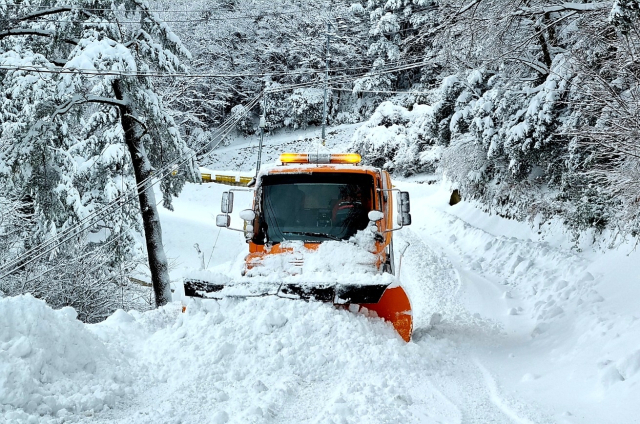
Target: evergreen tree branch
x,y
46,12
81,99
37,32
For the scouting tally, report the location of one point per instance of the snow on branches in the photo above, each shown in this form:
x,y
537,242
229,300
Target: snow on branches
x,y
70,80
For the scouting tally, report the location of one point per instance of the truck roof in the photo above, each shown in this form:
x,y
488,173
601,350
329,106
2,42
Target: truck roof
x,y
307,168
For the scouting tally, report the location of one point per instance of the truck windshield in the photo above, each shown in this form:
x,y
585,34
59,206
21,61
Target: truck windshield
x,y
315,207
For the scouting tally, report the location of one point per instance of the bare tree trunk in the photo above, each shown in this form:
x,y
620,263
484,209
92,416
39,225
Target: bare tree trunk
x,y
151,220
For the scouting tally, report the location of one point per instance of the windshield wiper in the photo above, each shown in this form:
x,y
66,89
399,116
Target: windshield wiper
x,y
311,234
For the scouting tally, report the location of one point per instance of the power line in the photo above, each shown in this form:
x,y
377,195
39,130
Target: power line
x,y
226,18
45,248
101,22
97,215
96,72
191,20
416,93
90,9
68,9
100,247
350,78
240,17
74,8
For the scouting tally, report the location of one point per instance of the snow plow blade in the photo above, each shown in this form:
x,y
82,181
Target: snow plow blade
x,y
394,306
390,304
335,293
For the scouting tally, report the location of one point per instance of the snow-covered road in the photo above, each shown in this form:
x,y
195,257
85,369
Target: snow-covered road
x,y
525,309
508,329
498,319
513,324
274,360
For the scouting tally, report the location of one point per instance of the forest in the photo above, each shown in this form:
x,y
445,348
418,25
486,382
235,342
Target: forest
x,y
529,107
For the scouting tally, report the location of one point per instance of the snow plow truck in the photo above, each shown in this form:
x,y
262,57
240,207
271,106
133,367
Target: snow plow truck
x,y
313,202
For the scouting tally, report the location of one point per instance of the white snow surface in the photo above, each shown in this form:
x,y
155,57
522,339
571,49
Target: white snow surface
x,y
513,323
52,364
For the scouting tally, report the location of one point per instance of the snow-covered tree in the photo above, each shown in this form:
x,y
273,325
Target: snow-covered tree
x,y
535,103
82,125
265,45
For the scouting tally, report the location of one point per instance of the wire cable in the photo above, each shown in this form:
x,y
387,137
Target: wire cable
x,y
230,124
43,19
96,72
74,8
97,215
416,93
383,71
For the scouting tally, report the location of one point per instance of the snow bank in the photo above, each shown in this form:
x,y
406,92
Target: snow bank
x,y
568,307
277,360
50,364
228,361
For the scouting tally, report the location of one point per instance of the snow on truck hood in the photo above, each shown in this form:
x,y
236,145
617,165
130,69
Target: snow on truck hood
x,y
331,257
333,262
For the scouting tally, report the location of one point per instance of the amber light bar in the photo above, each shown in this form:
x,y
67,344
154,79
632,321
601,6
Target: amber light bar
x,y
320,158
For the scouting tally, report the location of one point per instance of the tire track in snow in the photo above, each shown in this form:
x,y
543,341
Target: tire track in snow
x,y
560,301
497,399
434,285
532,271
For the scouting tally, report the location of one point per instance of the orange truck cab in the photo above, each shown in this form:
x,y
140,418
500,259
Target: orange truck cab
x,y
313,198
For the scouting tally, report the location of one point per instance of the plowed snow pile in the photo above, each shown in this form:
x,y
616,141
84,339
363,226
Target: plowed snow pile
x,y
51,364
277,360
236,361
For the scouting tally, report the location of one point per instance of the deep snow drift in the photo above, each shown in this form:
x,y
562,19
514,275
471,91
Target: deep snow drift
x,y
52,364
513,324
567,318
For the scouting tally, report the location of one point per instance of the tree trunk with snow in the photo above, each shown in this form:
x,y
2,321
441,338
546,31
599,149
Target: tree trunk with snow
x,y
62,144
158,264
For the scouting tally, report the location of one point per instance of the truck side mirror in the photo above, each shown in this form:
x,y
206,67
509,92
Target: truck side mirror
x,y
223,220
247,215
375,216
226,205
405,204
404,207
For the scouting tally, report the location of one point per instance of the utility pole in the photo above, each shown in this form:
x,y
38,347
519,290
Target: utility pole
x,y
326,82
263,124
